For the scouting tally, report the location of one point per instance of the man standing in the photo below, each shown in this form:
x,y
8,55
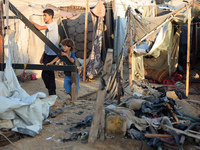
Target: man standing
x,y
51,31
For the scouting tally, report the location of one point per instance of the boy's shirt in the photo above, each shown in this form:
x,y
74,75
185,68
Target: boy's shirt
x,y
52,34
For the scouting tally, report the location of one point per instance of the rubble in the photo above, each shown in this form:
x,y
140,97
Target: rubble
x,y
162,118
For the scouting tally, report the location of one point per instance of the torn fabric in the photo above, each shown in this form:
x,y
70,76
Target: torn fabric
x,y
27,112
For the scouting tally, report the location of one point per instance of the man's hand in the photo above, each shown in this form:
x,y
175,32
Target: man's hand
x,y
41,60
48,64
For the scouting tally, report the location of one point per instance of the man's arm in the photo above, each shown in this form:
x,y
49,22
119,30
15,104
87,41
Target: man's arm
x,y
42,58
38,26
53,61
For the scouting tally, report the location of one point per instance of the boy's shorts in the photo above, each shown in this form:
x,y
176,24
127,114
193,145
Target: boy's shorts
x,y
68,84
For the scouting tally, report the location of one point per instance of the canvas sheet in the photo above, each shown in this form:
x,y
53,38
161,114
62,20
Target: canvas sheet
x,y
166,54
27,112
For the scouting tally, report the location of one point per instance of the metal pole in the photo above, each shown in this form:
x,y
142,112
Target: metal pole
x,y
85,41
188,52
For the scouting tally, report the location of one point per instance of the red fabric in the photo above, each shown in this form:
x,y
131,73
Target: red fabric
x,y
33,77
174,77
23,75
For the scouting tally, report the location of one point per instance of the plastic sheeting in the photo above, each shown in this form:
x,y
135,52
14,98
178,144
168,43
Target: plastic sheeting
x,y
165,56
119,11
27,112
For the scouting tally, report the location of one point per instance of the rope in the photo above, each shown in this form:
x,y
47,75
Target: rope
x,y
63,27
9,140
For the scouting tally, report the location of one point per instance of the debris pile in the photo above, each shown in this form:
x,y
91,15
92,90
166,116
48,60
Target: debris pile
x,y
152,115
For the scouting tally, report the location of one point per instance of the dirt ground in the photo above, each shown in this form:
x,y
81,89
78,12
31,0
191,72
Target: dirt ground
x,y
51,135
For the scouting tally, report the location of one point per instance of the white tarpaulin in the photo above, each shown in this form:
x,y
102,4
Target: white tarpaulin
x,y
27,112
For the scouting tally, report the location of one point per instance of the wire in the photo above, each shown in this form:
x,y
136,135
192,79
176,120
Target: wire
x,y
9,140
197,91
63,27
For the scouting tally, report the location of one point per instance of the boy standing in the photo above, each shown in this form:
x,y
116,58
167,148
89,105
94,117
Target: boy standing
x,y
68,51
51,31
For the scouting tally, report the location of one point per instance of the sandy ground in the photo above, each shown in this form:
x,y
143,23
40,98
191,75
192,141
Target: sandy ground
x,y
51,135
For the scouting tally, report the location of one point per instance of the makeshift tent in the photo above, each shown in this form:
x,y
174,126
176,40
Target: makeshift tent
x,y
155,45
154,39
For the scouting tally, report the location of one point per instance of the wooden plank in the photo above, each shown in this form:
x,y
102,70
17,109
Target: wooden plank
x,y
70,68
193,101
195,132
100,98
74,86
182,132
118,89
85,41
133,66
102,135
158,135
87,94
172,112
188,52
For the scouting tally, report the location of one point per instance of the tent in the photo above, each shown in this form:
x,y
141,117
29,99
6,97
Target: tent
x,y
154,43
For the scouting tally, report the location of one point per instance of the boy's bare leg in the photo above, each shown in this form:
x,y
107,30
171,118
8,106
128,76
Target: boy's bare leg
x,y
67,100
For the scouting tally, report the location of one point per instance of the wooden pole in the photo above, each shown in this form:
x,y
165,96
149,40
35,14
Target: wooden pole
x,y
85,41
129,51
74,85
100,99
188,52
102,134
119,88
158,135
172,112
117,46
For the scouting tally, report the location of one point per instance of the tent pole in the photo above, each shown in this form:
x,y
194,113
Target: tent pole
x,y
129,51
188,52
85,41
117,46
